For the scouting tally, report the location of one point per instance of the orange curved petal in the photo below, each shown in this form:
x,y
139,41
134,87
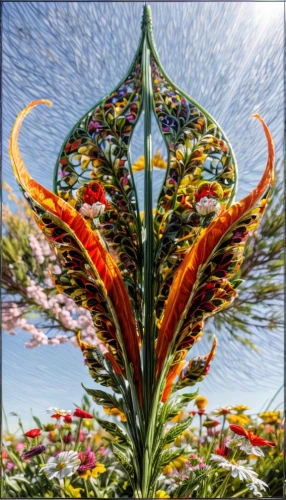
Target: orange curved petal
x,y
189,270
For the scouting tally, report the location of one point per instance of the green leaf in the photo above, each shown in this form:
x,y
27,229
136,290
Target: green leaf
x,y
176,404
38,422
105,399
126,464
175,431
168,456
115,431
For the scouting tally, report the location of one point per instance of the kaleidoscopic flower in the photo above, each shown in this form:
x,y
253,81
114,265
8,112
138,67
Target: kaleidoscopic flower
x,y
33,433
64,464
207,206
201,402
162,494
81,413
37,450
87,460
237,469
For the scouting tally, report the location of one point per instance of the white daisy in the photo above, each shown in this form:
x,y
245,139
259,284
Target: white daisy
x,y
92,211
247,447
257,486
53,410
207,206
237,469
64,464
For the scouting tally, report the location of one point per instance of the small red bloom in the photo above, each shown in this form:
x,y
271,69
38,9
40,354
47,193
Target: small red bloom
x,y
252,438
205,191
93,192
68,419
33,433
56,415
82,414
223,450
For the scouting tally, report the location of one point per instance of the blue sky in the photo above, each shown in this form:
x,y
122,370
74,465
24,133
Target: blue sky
x,y
227,56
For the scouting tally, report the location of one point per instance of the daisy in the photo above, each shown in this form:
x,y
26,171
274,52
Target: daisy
x,y
58,411
257,486
64,464
237,469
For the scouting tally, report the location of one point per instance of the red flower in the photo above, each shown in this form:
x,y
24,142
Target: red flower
x,y
205,191
82,414
68,419
87,459
56,415
254,440
223,450
33,433
93,192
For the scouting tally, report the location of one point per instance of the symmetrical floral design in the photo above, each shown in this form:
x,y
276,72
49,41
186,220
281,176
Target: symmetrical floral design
x,y
148,284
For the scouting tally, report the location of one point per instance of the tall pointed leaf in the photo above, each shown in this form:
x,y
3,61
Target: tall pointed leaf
x,y
201,286
90,275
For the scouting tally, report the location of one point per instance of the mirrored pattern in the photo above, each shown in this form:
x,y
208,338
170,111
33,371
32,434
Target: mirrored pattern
x,y
228,58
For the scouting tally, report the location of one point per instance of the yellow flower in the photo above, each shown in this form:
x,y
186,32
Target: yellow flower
x,y
270,417
162,494
201,402
179,417
95,472
158,160
125,484
98,469
115,412
238,419
178,440
138,165
88,423
73,492
240,408
177,464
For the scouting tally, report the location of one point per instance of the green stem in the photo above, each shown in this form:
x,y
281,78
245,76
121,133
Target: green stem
x,y
148,244
222,430
78,434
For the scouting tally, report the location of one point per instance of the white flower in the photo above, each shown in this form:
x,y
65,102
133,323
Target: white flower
x,y
247,447
256,486
92,211
52,409
207,206
64,464
237,469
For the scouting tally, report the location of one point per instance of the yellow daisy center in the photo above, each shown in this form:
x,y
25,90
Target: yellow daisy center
x,y
61,465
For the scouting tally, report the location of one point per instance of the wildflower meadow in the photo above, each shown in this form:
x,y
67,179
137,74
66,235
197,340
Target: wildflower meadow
x,y
135,290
